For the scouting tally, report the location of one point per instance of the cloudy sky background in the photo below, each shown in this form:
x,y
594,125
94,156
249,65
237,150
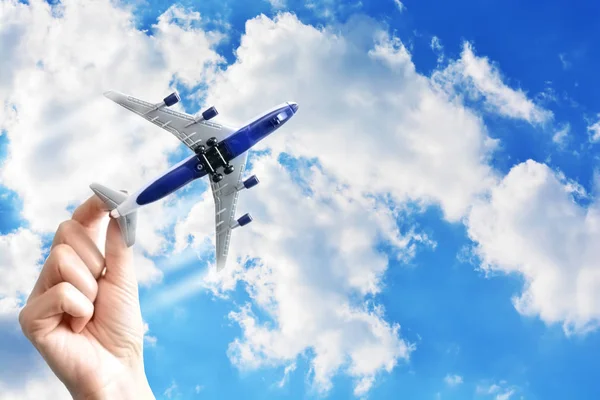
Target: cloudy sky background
x,y
426,227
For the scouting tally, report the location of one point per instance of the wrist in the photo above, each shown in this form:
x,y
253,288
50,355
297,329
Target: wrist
x,y
135,387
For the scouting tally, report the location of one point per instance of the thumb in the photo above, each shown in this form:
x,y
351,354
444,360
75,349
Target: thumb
x,y
119,258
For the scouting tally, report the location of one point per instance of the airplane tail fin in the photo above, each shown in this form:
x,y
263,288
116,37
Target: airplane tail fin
x,y
112,199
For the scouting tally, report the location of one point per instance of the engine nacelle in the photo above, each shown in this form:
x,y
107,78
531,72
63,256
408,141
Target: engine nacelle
x,y
248,183
171,99
210,113
242,221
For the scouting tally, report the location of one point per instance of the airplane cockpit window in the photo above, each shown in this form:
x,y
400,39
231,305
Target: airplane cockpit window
x,y
282,116
279,118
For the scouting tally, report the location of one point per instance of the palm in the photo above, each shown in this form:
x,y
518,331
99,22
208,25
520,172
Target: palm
x,y
107,345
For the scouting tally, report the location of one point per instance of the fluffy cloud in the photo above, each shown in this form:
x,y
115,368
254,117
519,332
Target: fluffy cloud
x,y
594,130
61,129
63,134
43,386
477,77
561,135
401,7
365,113
277,4
370,132
453,380
531,225
172,391
497,391
20,256
286,374
311,254
149,339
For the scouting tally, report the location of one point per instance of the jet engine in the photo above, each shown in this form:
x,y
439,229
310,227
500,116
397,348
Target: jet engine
x,y
248,183
205,116
210,113
242,221
171,99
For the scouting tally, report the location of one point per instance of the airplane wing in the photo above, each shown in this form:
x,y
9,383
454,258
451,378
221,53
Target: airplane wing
x,y
226,194
184,127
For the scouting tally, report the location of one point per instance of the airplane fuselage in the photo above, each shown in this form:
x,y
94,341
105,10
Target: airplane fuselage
x,y
195,166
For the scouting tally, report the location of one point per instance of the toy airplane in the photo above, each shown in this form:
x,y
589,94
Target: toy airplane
x,y
219,151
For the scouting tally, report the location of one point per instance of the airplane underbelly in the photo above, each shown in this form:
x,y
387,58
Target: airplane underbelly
x,y
245,138
170,182
238,143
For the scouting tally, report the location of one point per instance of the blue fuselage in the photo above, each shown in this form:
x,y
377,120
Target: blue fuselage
x,y
236,144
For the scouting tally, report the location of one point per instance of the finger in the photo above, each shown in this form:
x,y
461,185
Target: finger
x,y
119,257
90,215
65,265
42,315
71,233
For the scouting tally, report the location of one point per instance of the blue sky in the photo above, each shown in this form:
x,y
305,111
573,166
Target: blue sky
x,y
486,261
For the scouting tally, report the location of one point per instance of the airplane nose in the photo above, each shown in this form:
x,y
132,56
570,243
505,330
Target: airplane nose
x,y
294,106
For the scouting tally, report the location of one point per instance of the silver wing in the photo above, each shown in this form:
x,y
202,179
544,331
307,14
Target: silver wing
x,y
173,121
226,194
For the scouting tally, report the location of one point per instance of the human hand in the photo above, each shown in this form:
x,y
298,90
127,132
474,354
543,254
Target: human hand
x,y
85,320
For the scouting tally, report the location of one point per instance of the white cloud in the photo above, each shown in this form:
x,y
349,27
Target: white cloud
x,y
479,78
9,308
361,100
149,339
531,226
172,391
563,61
497,391
438,48
594,130
365,115
436,44
399,5
63,134
286,374
453,380
277,4
198,388
40,384
505,395
562,134
303,281
20,257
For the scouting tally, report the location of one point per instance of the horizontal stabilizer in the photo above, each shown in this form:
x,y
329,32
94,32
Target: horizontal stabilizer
x,y
112,198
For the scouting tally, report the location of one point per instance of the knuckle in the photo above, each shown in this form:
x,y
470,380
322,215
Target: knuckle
x,y
22,318
25,323
61,252
59,256
66,228
64,289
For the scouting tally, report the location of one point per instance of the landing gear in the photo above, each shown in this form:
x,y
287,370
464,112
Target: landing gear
x,y
216,178
228,169
213,156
